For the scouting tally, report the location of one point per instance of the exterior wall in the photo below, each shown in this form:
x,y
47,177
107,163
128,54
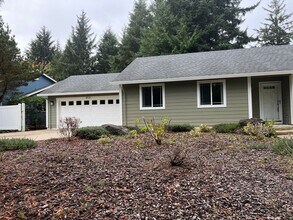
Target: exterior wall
x,y
35,85
181,104
285,95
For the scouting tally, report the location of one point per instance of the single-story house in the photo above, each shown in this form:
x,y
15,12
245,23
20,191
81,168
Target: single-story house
x,y
91,98
210,87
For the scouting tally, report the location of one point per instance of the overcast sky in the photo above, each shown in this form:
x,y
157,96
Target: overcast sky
x,y
26,17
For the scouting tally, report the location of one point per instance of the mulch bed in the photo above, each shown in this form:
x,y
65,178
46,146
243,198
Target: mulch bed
x,y
222,178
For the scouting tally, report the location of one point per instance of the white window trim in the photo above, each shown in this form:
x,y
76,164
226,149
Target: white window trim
x,y
150,85
224,105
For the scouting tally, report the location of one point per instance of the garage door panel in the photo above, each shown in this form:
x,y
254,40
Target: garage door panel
x,y
93,114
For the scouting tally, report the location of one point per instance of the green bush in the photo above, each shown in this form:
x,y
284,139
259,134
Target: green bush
x,y
91,133
283,147
260,130
179,128
204,128
16,144
226,128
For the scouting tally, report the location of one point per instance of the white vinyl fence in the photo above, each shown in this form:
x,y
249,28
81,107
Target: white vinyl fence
x,y
12,117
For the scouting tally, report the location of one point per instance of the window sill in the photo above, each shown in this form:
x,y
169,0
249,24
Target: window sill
x,y
212,106
151,108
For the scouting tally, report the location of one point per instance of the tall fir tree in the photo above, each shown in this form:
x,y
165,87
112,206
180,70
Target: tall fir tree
x,y
14,71
279,27
181,26
55,67
78,56
41,50
129,48
107,49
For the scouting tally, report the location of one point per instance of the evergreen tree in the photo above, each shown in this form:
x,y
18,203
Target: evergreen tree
x,y
107,49
78,56
41,50
129,48
279,27
14,70
181,26
55,67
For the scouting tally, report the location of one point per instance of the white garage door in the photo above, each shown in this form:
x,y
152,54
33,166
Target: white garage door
x,y
92,111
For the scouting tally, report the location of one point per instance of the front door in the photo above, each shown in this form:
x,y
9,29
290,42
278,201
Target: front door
x,y
270,95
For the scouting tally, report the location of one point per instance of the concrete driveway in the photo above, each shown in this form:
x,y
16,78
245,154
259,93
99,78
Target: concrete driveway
x,y
35,135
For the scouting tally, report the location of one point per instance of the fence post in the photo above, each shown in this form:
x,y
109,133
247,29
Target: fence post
x,y
22,116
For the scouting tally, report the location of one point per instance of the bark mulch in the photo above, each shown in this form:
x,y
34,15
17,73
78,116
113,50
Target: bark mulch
x,y
223,177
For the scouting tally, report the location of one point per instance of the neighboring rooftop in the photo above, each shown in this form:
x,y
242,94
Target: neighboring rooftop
x,y
83,84
208,64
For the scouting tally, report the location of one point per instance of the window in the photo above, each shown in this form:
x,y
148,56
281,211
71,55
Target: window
x,y
117,101
86,102
211,94
102,102
63,103
94,102
78,102
152,96
110,101
71,103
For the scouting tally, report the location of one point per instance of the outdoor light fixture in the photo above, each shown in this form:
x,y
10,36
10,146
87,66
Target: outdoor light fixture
x,y
52,103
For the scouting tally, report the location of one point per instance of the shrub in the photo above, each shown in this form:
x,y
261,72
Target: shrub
x,y
254,121
16,144
195,132
204,128
178,156
179,128
260,130
104,140
133,134
226,128
68,127
91,133
283,147
157,130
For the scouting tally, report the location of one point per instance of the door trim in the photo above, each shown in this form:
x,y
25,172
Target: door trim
x,y
260,100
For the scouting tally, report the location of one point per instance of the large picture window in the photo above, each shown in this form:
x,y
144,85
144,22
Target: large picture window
x,y
152,96
211,94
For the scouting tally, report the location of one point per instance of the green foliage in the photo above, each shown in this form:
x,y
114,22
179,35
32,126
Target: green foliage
x,y
129,48
107,49
91,133
260,130
14,71
279,27
283,146
204,128
41,50
179,128
133,134
226,128
78,54
157,130
104,140
195,132
68,127
16,144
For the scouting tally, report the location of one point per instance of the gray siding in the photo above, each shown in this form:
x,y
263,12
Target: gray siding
x,y
285,95
181,104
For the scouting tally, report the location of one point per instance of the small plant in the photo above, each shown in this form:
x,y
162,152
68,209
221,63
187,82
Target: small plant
x,y
143,129
104,140
178,156
204,128
179,128
157,130
139,143
133,134
195,132
68,127
226,128
283,147
16,144
2,156
91,133
260,130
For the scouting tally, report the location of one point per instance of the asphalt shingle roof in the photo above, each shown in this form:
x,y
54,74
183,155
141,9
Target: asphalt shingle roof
x,y
215,63
83,84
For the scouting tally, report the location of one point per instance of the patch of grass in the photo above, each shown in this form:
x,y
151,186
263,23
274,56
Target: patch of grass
x,y
16,144
91,133
283,146
7,131
226,128
258,146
